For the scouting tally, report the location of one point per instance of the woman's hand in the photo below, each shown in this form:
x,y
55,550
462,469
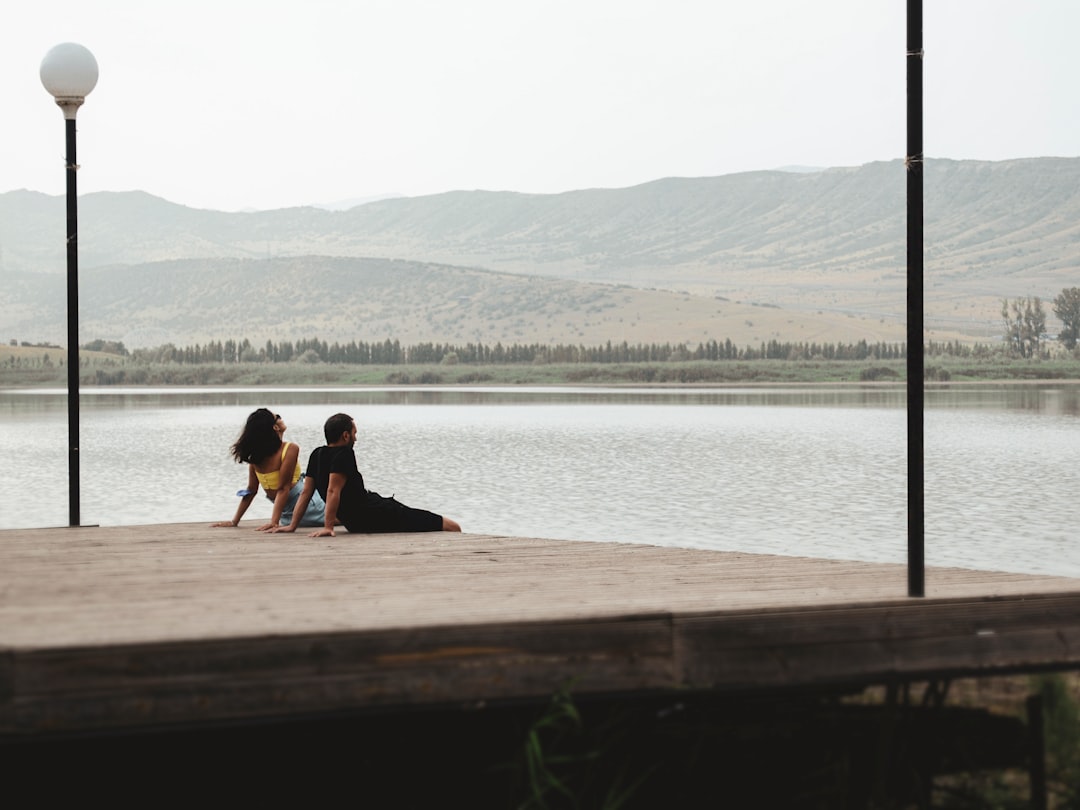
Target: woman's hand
x,y
323,532
223,524
286,529
267,527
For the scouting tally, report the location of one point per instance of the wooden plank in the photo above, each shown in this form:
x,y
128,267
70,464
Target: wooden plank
x,y
251,678
145,626
920,640
130,584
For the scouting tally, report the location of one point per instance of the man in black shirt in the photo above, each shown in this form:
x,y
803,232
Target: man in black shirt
x,y
332,472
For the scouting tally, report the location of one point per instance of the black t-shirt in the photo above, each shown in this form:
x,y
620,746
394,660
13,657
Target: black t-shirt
x,y
326,460
360,509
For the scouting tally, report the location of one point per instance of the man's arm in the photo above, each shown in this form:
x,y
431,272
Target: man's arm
x,y
333,501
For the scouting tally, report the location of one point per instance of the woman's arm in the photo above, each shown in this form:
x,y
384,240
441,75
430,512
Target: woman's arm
x,y
285,485
245,501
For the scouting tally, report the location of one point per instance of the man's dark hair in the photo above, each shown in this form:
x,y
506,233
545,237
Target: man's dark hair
x,y
336,425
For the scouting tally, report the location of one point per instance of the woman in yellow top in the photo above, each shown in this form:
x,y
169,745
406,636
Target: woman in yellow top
x,y
273,464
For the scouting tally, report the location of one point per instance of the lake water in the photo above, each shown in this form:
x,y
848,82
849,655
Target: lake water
x,y
807,471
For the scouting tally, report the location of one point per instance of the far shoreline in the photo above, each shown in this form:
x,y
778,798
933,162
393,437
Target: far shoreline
x,y
101,371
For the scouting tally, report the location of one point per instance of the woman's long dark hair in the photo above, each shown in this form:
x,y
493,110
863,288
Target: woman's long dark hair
x,y
259,439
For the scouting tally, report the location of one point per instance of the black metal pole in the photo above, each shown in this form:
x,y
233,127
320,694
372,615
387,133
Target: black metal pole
x,y
72,328
914,165
1036,752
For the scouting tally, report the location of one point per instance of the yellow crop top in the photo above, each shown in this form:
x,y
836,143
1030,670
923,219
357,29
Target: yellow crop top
x,y
270,481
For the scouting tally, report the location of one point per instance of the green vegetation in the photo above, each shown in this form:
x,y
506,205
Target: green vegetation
x,y
999,788
1067,308
965,745
393,352
313,362
100,370
1061,719
1025,326
573,761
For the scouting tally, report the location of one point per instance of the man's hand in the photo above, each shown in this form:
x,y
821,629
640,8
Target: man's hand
x,y
276,529
267,527
223,524
323,532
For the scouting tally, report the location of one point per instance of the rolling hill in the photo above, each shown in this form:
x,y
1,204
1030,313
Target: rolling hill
x,y
796,256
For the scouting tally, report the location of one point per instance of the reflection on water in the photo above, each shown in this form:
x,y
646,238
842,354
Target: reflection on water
x,y
803,470
838,396
1047,397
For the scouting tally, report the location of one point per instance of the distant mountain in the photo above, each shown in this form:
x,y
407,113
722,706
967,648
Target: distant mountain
x,y
352,202
811,244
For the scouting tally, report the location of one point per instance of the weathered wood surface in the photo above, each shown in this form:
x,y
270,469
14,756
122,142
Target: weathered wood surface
x,y
138,626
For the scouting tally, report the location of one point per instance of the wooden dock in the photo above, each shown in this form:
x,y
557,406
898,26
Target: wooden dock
x,y
150,627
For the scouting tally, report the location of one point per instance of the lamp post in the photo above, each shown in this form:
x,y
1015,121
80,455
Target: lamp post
x,y
69,72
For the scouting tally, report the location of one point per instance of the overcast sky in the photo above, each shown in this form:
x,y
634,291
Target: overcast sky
x,y
232,105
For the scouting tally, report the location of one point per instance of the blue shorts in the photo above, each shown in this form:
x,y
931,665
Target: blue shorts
x,y
315,513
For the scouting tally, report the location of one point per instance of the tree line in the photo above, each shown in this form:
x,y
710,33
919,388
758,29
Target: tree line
x,y
393,352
